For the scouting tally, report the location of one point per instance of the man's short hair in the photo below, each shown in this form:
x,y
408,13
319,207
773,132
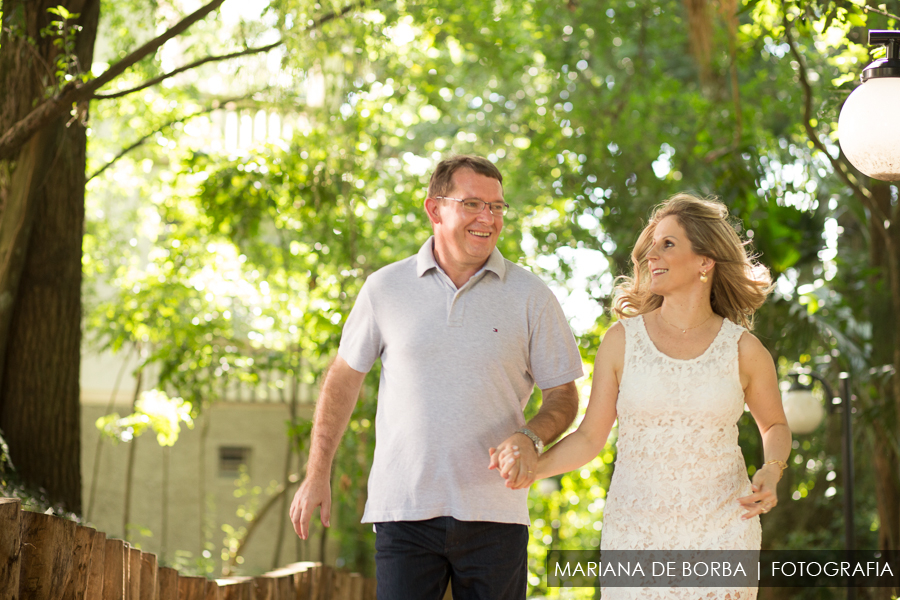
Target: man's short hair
x,y
441,182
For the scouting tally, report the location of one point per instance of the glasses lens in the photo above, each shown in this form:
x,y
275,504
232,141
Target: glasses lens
x,y
475,205
498,208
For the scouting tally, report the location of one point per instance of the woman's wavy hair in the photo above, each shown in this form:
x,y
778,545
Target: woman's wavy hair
x,y
740,284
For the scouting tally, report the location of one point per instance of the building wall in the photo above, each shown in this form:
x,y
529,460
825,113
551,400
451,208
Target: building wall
x,y
180,496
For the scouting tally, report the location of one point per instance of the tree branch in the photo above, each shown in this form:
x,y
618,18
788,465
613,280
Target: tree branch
x,y
150,47
140,141
861,193
74,92
868,8
13,138
315,24
197,63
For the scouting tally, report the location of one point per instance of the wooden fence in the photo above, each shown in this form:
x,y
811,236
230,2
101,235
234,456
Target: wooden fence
x,y
43,557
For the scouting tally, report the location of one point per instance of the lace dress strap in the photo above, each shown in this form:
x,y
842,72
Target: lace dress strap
x,y
726,353
636,348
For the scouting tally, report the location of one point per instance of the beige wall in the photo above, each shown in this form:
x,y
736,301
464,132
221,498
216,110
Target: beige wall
x,y
185,509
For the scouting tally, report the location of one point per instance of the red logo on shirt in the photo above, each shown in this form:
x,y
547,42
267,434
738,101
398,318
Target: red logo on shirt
x,y
495,330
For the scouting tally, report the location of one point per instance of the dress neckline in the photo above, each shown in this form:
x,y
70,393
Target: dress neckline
x,y
672,358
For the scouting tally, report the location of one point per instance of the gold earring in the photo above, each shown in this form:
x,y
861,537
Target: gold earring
x,y
703,277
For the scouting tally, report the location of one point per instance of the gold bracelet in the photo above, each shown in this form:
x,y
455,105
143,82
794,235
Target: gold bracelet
x,y
778,463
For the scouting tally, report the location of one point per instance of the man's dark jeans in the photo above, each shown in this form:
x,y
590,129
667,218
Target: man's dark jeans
x,y
483,560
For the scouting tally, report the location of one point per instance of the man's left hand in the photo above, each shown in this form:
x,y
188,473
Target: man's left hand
x,y
516,458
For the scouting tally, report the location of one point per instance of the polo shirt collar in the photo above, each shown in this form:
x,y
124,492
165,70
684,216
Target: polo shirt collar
x,y
425,260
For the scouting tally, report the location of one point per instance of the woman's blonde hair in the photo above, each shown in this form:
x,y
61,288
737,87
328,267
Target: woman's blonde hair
x,y
739,283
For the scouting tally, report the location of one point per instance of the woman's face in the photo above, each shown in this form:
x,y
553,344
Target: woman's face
x,y
672,262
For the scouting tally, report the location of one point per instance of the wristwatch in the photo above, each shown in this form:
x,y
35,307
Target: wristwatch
x,y
538,443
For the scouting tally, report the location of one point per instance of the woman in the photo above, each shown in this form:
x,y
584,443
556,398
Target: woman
x,y
676,375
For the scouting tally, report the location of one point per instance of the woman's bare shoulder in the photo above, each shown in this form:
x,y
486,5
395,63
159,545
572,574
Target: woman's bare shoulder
x,y
612,347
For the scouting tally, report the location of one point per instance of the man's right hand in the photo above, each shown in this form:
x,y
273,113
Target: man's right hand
x,y
333,409
313,492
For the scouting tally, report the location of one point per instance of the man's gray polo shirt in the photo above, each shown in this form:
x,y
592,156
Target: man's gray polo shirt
x,y
458,367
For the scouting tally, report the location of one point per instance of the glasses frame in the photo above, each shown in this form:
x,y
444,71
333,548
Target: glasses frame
x,y
483,205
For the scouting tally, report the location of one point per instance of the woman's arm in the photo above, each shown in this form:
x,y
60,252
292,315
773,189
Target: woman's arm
x,y
582,445
763,398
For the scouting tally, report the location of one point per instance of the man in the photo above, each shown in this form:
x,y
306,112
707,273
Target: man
x,y
463,336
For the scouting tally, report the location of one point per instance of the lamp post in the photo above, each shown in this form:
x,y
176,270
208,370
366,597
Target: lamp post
x,y
804,413
869,124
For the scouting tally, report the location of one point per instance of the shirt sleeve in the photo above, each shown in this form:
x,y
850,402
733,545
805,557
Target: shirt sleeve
x,y
553,353
361,342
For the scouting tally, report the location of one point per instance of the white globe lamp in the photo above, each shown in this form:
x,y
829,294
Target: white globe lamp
x,y
804,412
869,124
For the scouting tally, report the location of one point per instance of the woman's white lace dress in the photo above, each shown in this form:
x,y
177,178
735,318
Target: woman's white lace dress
x,y
679,470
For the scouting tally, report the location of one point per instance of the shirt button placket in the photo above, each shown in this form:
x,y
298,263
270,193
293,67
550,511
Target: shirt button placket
x,y
456,310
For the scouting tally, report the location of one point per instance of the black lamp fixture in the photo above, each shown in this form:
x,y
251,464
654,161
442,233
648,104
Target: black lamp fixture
x,y
804,414
869,124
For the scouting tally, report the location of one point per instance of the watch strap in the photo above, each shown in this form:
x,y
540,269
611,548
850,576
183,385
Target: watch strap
x,y
537,441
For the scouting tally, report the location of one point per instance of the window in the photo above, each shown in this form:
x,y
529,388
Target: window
x,y
231,459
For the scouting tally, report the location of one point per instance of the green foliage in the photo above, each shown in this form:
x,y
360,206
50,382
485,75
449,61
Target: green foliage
x,y
63,33
7,470
153,410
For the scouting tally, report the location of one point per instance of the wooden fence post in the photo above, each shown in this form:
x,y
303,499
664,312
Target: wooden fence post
x,y
302,583
212,591
370,591
341,587
356,586
149,569
46,559
286,588
263,588
315,582
10,546
323,583
81,567
167,580
192,588
94,589
133,588
114,570
347,586
236,588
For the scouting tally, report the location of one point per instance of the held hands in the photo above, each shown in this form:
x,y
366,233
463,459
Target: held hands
x,y
516,460
313,492
764,497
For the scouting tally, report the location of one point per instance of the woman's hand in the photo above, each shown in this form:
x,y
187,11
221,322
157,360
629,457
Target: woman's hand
x,y
506,461
765,496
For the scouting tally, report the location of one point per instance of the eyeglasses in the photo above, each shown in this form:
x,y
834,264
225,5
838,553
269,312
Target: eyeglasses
x,y
476,205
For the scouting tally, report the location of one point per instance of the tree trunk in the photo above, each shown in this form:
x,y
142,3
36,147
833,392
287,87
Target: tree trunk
x,y
42,216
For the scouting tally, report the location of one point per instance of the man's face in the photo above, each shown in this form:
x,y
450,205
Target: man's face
x,y
466,240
